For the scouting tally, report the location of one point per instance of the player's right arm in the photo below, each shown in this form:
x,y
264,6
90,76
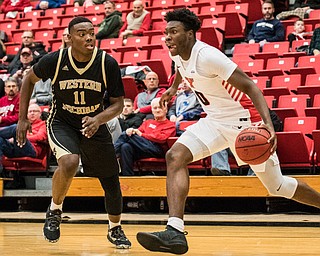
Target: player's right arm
x,y
167,95
26,90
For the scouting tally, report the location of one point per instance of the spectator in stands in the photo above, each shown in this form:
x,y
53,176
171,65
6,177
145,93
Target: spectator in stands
x,y
2,93
9,104
129,119
26,61
32,148
65,41
185,107
49,4
12,7
142,102
220,163
38,50
299,32
110,26
149,140
301,9
267,29
314,47
42,93
2,50
87,3
137,21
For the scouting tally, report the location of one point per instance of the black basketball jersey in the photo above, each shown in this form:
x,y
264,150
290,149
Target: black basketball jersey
x,y
78,88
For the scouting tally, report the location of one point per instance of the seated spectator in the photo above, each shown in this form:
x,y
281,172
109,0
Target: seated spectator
x,y
299,32
267,29
65,39
110,26
3,39
49,4
2,93
12,7
185,107
137,21
314,47
115,129
149,140
42,93
26,62
220,163
9,104
2,50
142,102
129,119
8,145
301,9
38,50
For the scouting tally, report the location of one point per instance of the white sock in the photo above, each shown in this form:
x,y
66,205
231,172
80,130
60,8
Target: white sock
x,y
54,206
177,223
114,224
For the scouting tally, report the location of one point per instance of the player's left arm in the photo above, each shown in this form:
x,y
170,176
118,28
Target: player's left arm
x,y
241,81
90,125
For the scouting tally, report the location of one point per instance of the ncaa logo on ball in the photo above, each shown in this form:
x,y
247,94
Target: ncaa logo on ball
x,y
246,138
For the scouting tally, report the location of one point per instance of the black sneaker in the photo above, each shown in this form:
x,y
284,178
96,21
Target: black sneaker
x,y
170,240
51,229
118,238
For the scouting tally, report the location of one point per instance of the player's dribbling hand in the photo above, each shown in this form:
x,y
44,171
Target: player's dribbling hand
x,y
21,132
90,126
273,138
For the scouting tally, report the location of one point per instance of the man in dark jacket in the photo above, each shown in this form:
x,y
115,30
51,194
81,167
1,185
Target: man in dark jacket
x,y
110,26
129,119
267,29
38,50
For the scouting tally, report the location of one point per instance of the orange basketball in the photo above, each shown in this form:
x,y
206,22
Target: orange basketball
x,y
252,145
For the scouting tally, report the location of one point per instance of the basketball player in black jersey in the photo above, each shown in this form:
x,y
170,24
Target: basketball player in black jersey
x,y
76,126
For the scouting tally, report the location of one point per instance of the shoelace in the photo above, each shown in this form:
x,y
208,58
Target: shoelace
x,y
54,220
118,233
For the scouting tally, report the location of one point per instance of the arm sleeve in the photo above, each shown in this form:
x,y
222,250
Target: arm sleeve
x,y
214,62
279,29
147,109
124,26
146,23
11,119
114,82
41,69
162,134
251,33
38,136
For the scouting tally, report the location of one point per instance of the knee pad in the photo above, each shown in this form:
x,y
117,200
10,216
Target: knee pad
x,y
286,189
113,195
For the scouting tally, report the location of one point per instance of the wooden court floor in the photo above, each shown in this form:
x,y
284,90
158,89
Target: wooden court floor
x,y
25,239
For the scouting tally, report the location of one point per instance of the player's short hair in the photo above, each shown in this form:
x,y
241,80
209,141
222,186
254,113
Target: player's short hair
x,y
77,20
188,18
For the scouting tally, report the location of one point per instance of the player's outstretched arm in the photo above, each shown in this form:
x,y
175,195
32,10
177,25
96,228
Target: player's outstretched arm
x,y
26,90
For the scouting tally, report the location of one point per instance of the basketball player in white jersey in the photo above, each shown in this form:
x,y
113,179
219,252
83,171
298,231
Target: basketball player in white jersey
x,y
232,102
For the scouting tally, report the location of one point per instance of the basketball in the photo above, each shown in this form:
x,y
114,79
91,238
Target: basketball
x,y
252,145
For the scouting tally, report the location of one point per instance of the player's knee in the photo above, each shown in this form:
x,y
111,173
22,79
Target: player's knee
x,y
176,157
286,188
69,164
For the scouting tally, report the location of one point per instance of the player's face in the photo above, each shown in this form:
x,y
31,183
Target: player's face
x,y
177,39
83,39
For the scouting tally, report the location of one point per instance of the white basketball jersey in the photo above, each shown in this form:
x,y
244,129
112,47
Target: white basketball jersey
x,y
220,100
